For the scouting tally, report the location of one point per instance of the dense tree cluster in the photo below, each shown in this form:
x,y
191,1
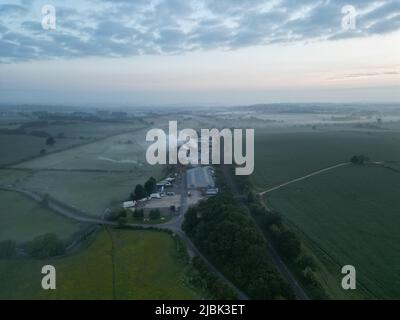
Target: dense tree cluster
x,y
143,191
201,278
155,214
138,214
223,232
50,141
122,218
359,159
287,242
45,246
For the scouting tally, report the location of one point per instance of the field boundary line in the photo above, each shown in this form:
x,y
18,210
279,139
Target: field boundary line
x,y
304,178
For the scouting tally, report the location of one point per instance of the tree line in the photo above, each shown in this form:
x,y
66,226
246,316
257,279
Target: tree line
x,y
41,247
284,239
229,238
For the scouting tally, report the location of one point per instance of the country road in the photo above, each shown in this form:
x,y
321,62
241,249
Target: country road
x,y
276,259
175,225
304,178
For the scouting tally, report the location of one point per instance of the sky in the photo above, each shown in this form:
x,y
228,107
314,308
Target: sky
x,y
199,52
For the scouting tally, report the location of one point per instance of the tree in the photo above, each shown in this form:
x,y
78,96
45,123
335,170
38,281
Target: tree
x,y
155,214
359,159
309,276
140,192
45,246
123,213
122,221
50,141
272,218
150,185
306,261
251,197
289,245
257,209
7,249
138,214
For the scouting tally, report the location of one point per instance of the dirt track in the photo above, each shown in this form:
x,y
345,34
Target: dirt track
x,y
304,177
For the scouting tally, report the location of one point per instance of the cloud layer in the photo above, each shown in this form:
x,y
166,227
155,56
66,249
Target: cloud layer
x,y
120,28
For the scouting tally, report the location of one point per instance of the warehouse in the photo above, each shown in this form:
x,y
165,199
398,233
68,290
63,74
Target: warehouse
x,y
200,178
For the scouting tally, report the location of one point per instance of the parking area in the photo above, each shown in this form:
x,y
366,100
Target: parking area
x,y
195,197
164,202
167,196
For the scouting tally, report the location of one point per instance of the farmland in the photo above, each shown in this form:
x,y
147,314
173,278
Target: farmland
x,y
22,219
15,148
134,255
347,216
280,157
115,153
93,176
22,140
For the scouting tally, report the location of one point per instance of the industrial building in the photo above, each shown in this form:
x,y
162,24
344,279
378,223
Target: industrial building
x,y
200,178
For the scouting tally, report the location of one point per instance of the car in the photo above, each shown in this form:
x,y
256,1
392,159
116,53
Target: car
x,y
170,194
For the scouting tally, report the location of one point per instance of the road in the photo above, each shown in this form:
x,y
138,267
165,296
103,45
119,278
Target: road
x,y
175,225
276,259
304,178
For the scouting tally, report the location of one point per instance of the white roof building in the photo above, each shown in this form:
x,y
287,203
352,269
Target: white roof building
x,y
129,204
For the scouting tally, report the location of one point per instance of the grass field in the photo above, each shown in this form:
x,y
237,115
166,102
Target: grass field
x,y
22,219
352,214
122,152
18,147
120,161
346,216
90,130
280,157
145,262
91,192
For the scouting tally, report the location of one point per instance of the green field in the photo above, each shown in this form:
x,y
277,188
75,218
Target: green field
x,y
91,192
119,161
346,216
280,157
15,148
122,152
352,214
89,130
146,265
22,219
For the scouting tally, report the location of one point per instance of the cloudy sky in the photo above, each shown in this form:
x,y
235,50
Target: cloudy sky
x,y
199,52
